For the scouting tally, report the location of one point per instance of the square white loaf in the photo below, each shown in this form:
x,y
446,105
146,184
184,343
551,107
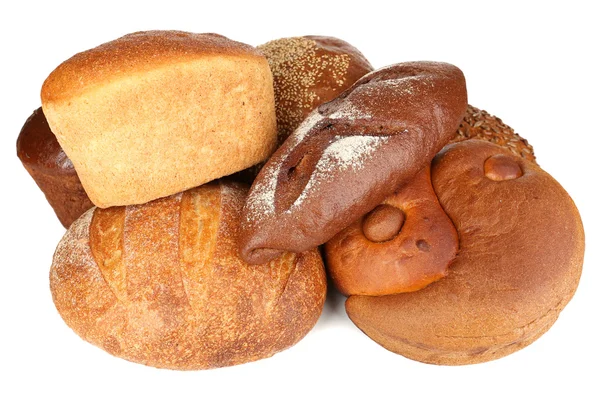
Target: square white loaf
x,y
154,113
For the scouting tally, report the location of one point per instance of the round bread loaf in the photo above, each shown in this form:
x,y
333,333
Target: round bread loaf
x,y
349,155
153,113
309,71
403,245
51,169
161,284
519,263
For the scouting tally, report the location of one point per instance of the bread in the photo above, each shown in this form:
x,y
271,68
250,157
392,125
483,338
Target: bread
x,y
403,245
51,169
417,252
479,124
519,263
349,155
154,113
307,72
161,284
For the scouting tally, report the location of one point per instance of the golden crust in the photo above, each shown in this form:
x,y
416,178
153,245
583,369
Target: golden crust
x,y
145,284
156,113
135,53
519,263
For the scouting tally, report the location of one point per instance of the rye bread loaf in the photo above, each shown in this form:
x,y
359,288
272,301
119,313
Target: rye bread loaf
x,y
349,155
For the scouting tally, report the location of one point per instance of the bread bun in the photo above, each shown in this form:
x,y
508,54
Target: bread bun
x,y
349,155
519,263
51,169
154,113
161,284
403,245
479,124
309,71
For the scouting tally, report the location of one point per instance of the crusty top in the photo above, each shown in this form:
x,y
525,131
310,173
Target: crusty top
x,y
137,51
308,71
519,261
161,283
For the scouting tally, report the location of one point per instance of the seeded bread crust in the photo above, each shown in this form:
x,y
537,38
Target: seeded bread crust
x,y
154,113
161,284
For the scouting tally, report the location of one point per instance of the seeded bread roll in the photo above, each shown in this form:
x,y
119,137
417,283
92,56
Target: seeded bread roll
x,y
349,155
309,71
51,169
479,124
161,284
518,265
154,113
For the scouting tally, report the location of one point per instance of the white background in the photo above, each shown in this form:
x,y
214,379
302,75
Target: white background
x,y
533,66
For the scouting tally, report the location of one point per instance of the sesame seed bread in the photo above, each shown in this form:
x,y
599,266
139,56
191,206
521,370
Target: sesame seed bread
x,y
521,245
154,113
161,284
307,72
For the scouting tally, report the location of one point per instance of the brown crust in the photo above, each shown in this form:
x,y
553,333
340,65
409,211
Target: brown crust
x,y
133,53
479,124
145,284
350,154
51,169
519,263
200,104
418,255
309,71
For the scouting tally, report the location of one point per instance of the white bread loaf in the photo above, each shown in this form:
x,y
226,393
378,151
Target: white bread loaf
x,y
154,113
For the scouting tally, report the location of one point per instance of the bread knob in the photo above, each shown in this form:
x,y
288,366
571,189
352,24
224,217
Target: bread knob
x,y
383,223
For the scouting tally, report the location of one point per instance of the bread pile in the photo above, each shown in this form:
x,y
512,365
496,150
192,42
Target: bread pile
x,y
451,243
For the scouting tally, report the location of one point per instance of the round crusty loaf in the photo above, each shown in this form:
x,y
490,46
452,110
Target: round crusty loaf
x,y
51,169
309,71
153,113
349,155
519,263
161,284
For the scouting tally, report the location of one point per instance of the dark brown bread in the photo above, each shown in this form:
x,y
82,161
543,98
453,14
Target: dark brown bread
x,y
519,263
161,284
349,155
51,169
381,253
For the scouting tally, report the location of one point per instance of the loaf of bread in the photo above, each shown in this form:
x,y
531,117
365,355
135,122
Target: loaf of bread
x,y
154,113
403,245
51,169
518,265
161,284
349,155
